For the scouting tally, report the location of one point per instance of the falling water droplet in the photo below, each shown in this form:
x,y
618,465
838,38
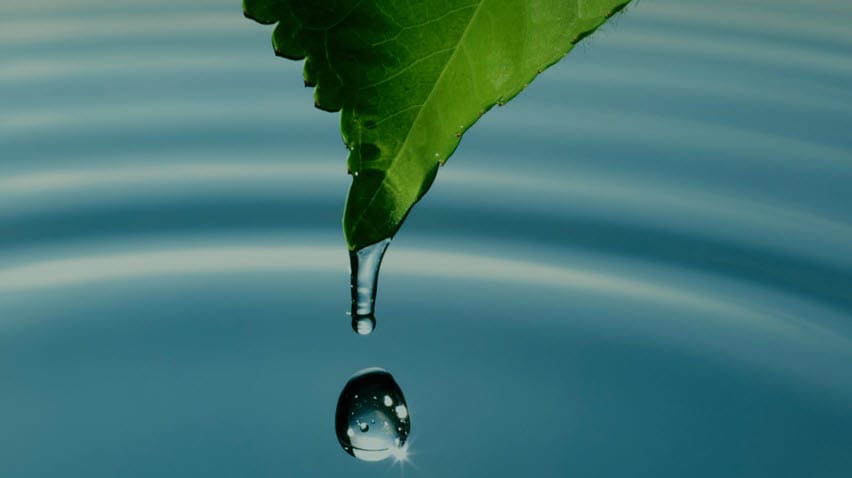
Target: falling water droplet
x,y
377,442
365,263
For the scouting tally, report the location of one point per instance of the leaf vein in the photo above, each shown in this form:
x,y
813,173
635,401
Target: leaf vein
x,y
395,161
406,68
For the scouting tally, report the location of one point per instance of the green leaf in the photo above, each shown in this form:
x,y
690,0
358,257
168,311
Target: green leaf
x,y
411,76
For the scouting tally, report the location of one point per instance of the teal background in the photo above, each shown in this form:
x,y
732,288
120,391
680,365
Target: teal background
x,y
642,266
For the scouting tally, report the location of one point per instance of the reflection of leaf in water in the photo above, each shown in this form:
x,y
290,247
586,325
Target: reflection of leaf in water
x,y
411,76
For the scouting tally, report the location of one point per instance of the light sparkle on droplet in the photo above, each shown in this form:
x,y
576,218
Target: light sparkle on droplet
x,y
400,454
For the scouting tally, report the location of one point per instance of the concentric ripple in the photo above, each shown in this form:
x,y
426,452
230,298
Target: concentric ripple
x,y
640,266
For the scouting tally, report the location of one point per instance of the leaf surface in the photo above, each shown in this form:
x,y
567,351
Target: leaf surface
x,y
411,76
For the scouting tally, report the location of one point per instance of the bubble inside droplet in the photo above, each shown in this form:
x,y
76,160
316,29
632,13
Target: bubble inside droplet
x,y
364,400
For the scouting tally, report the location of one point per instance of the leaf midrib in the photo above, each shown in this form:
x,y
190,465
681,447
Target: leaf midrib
x,y
395,160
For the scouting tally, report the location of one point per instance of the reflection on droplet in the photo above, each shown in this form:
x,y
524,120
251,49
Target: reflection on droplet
x,y
364,324
365,263
376,387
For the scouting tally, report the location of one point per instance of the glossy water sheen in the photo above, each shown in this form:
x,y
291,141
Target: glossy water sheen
x,y
641,266
364,267
371,419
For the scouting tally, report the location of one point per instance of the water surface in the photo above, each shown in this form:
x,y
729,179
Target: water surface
x,y
642,266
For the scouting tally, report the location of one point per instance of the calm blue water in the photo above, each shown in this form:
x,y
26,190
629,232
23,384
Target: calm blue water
x,y
642,266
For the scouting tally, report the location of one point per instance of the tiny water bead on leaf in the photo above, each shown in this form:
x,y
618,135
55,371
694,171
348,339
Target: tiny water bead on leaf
x,y
371,420
364,274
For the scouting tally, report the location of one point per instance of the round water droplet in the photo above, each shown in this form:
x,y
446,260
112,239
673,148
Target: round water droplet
x,y
363,324
375,387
